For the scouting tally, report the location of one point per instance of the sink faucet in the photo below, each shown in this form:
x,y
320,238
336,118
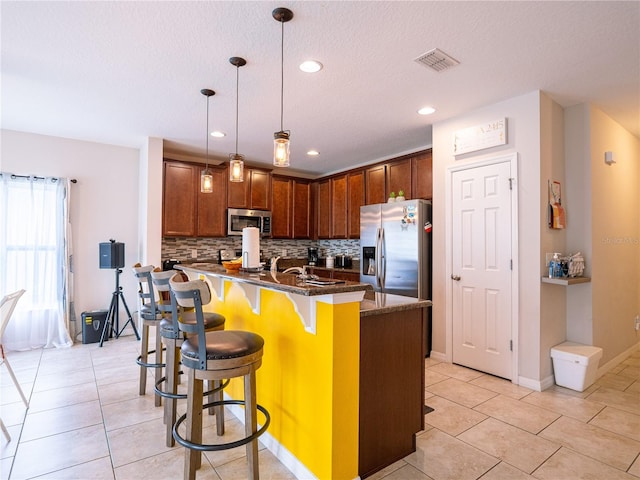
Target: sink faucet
x,y
274,264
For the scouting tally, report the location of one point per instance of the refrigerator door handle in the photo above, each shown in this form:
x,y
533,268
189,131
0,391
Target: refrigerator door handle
x,y
378,254
383,260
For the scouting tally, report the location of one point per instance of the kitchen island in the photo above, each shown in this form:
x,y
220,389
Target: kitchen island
x,y
340,363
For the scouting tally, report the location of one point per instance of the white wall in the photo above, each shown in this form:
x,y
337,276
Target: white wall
x,y
104,205
615,235
523,135
578,195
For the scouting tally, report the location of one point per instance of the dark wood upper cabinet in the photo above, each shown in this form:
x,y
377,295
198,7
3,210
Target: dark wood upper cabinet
x,y
355,190
399,178
422,175
375,184
301,209
260,190
323,205
254,192
281,215
179,200
186,212
211,217
291,207
339,207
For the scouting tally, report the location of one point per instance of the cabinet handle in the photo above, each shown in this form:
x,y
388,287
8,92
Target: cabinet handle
x,y
455,277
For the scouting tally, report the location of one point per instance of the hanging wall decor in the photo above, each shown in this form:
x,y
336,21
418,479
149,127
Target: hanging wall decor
x,y
556,214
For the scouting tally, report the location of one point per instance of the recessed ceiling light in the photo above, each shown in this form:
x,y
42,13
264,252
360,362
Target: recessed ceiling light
x,y
313,153
311,66
218,134
426,110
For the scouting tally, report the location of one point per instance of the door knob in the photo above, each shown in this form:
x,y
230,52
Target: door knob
x,y
455,277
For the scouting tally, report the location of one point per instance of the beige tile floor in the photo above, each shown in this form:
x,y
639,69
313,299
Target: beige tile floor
x,y
87,421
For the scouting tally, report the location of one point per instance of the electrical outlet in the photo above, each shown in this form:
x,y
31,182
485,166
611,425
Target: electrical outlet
x,y
284,252
194,253
637,322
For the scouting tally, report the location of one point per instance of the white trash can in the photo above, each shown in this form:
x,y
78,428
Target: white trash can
x,y
575,365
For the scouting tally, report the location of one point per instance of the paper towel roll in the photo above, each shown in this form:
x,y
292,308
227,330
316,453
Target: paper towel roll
x,y
250,247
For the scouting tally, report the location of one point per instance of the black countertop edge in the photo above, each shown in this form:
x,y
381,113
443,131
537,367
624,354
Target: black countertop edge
x,y
285,282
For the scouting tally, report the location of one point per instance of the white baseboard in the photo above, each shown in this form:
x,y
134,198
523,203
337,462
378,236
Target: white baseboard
x,y
614,362
537,385
281,453
439,356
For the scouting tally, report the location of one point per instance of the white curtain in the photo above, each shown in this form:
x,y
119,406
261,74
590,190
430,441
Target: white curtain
x,y
34,255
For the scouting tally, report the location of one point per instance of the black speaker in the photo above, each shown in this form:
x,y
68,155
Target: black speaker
x,y
112,255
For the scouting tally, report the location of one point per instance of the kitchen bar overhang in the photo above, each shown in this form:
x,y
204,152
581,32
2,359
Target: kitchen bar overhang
x,y
310,379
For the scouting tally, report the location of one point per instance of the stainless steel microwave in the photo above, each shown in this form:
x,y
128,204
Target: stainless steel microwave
x,y
237,219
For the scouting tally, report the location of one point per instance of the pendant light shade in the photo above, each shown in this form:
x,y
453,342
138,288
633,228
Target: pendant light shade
x,y
206,178
281,149
236,161
281,138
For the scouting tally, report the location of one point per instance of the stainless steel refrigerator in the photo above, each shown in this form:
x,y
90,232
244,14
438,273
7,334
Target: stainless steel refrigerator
x,y
395,247
395,251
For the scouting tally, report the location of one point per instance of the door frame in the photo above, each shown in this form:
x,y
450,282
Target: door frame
x,y
512,159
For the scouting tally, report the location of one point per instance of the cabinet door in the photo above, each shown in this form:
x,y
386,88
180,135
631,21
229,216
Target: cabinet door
x,y
339,207
282,208
399,178
375,188
324,209
422,175
356,200
301,209
181,184
260,192
212,218
239,193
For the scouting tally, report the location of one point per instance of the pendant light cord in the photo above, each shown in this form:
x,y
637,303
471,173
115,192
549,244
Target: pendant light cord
x,y
207,139
281,74
237,101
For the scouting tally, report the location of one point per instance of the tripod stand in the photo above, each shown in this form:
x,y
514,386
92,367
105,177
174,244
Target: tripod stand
x,y
111,325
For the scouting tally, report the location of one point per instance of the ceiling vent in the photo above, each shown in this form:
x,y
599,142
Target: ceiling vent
x,y
437,60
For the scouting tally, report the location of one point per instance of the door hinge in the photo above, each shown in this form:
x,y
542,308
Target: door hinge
x,y
511,345
511,183
511,264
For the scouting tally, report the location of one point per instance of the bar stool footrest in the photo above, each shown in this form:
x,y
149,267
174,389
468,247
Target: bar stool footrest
x,y
150,365
220,446
180,396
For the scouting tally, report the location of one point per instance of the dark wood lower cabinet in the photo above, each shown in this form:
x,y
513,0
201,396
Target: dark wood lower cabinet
x,y
392,351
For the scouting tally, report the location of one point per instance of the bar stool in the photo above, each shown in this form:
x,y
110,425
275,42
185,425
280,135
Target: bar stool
x,y
171,335
217,356
151,317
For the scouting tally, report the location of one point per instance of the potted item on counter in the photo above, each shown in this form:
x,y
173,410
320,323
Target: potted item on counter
x,y
400,197
392,197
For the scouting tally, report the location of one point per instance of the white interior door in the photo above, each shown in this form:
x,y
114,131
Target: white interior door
x,y
481,268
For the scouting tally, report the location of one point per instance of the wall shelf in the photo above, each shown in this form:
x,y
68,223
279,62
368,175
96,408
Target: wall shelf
x,y
566,280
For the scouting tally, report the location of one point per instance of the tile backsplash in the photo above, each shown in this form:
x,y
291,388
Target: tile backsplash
x,y
182,248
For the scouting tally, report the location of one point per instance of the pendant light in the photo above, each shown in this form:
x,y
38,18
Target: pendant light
x,y
236,161
281,138
206,178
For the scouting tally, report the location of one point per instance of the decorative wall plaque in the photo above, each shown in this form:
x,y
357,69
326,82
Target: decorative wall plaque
x,y
479,137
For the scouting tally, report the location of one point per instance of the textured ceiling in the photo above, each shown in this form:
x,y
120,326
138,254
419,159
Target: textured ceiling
x,y
118,72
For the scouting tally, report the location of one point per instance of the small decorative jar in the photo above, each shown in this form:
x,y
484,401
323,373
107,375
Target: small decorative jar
x,y
400,197
392,197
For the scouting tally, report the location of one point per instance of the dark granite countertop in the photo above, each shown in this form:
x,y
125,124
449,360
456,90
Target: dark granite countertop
x,y
375,303
286,282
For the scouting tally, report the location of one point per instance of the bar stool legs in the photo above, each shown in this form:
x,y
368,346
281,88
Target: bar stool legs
x,y
143,360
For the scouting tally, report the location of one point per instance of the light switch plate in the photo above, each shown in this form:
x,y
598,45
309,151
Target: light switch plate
x,y
194,253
